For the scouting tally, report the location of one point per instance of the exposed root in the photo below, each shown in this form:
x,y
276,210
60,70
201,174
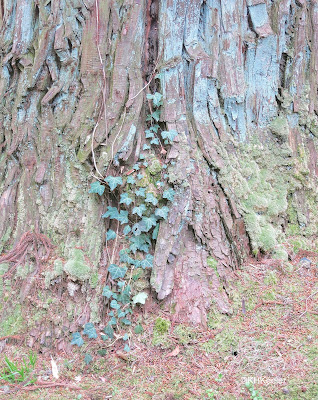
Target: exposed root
x,y
35,243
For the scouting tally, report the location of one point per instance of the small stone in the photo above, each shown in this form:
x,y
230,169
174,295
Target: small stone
x,y
285,390
304,263
5,388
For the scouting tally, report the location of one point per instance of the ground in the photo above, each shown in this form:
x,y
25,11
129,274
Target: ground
x,y
270,340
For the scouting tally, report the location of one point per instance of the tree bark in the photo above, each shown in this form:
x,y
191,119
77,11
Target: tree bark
x,y
239,85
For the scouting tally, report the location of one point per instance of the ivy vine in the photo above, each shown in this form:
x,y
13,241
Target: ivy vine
x,y
138,216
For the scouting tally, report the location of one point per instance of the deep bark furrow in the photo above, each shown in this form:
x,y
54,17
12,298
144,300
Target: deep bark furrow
x,y
239,84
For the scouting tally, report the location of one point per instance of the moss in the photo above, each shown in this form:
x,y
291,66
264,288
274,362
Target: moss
x,y
260,177
76,266
227,340
280,253
292,230
267,238
94,280
13,324
279,127
24,270
162,326
270,295
154,167
271,278
208,346
298,243
185,334
5,238
160,332
4,268
212,263
215,318
57,271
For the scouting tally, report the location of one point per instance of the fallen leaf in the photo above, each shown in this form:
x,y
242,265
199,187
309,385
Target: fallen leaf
x,y
122,355
174,352
55,371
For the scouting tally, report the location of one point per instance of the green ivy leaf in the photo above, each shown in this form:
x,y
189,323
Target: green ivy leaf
x,y
141,242
169,135
147,262
109,331
107,292
126,321
116,271
90,330
125,337
140,192
156,115
113,321
137,263
149,222
126,230
127,348
140,298
96,187
162,212
155,232
102,353
125,295
140,176
131,180
146,147
150,198
111,212
114,181
88,359
139,210
123,217
136,229
136,167
125,199
156,99
138,329
77,339
110,234
114,305
124,257
142,156
149,134
154,128
169,194
154,141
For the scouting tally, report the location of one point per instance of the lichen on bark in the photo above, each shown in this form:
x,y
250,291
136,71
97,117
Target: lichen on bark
x,y
239,85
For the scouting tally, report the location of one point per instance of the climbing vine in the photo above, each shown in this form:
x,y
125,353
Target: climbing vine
x,y
143,203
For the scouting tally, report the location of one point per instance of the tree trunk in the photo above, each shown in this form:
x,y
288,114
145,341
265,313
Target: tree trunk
x,y
239,85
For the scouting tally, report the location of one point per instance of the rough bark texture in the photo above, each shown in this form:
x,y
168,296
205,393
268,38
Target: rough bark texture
x,y
239,81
